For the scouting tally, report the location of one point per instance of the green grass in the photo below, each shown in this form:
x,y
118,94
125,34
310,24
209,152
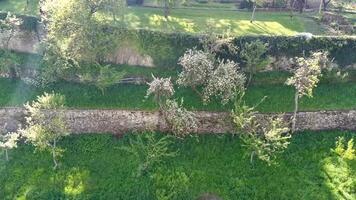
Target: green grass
x,y
196,21
235,22
19,6
96,167
127,96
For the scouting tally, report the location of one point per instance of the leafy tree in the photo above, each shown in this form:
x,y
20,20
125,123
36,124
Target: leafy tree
x,y
219,78
225,82
108,77
181,122
44,129
253,54
9,62
167,6
161,89
262,140
150,151
197,66
306,77
9,141
116,7
75,34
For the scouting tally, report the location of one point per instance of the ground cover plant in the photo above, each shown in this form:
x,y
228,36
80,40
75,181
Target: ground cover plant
x,y
96,166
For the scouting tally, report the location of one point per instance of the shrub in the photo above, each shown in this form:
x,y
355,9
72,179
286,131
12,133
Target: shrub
x,y
181,122
149,150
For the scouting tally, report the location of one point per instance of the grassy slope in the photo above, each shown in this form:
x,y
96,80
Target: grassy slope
x,y
280,97
95,167
188,20
19,6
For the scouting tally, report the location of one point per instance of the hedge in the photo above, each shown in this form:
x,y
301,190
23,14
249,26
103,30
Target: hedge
x,y
166,48
29,22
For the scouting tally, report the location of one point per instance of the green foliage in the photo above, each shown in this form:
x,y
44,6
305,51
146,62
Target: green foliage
x,y
265,141
345,150
181,122
308,72
9,63
107,77
253,55
75,36
173,46
150,151
218,78
43,130
8,141
171,185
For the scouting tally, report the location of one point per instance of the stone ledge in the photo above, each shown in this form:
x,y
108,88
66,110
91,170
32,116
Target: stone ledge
x,y
121,121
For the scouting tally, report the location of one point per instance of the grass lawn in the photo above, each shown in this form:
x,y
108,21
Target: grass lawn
x,y
96,167
235,22
19,6
195,21
127,96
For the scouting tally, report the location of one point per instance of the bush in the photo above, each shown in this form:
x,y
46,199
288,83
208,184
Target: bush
x,y
166,48
29,22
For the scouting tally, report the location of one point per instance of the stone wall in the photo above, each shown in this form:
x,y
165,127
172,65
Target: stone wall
x,y
121,121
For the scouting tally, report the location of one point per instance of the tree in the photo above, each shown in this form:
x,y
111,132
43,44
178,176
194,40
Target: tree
x,y
181,122
253,54
255,3
219,78
306,77
9,141
45,123
262,140
108,77
150,150
161,89
225,82
197,66
76,36
167,6
9,61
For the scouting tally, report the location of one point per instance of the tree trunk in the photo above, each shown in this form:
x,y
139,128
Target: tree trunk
x,y
301,6
6,155
253,13
291,8
54,155
325,4
249,80
294,119
251,157
166,9
320,6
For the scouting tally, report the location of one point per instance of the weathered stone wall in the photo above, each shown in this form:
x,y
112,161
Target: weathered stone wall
x,y
121,121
